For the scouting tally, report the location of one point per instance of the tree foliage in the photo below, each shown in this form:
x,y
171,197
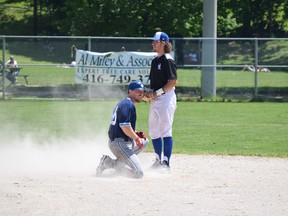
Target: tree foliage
x,y
259,18
180,18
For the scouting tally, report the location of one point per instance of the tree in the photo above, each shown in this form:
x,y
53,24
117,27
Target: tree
x,y
134,18
258,18
179,18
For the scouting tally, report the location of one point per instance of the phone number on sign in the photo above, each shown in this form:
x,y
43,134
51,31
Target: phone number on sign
x,y
114,79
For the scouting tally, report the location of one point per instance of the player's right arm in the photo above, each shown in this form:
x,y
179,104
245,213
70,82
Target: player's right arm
x,y
128,130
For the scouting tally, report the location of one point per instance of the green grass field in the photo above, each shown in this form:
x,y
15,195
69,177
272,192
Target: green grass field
x,y
199,128
52,75
254,129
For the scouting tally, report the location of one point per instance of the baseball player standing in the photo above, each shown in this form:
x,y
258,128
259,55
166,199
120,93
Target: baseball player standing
x,y
163,79
124,142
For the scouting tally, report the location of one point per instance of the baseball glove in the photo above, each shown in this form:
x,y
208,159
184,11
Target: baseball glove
x,y
141,134
148,95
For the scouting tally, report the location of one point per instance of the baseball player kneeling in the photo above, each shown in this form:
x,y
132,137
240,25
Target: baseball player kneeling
x,y
124,142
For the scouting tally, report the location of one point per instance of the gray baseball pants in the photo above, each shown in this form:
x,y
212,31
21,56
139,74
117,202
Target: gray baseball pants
x,y
127,161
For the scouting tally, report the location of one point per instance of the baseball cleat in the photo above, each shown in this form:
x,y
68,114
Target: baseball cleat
x,y
102,165
156,164
165,165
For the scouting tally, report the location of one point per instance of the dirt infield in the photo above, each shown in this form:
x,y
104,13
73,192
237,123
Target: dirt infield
x,y
54,182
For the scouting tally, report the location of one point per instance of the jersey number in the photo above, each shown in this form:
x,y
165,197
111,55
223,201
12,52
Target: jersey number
x,y
114,116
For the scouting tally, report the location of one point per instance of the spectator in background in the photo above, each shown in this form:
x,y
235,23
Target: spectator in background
x,y
193,57
73,55
12,65
48,47
73,52
252,69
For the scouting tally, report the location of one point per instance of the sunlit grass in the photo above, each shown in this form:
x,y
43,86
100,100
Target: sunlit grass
x,y
199,127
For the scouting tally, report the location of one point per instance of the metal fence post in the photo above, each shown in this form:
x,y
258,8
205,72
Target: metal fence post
x,y
256,70
89,43
209,47
3,68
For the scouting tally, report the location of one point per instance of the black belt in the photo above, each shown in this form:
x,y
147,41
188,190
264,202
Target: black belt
x,y
124,139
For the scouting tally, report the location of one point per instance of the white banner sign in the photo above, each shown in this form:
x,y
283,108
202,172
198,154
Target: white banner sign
x,y
113,67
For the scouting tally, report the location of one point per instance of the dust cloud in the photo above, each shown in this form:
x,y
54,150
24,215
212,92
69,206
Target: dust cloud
x,y
62,155
81,151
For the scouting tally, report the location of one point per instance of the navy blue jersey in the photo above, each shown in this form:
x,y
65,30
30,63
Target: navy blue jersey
x,y
163,69
124,114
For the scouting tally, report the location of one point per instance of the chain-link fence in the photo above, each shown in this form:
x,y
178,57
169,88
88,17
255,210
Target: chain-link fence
x,y
47,67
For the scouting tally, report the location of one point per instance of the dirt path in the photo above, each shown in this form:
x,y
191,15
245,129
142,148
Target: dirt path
x,y
57,183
